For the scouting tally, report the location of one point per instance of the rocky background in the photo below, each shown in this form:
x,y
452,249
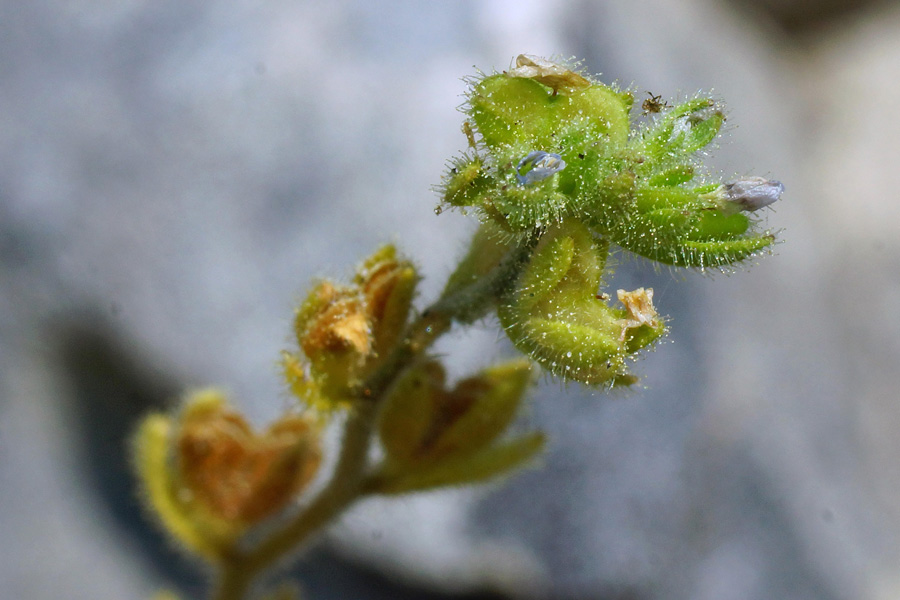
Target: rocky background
x,y
173,173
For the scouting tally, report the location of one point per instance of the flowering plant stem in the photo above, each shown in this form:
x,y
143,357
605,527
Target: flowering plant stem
x,y
559,173
353,477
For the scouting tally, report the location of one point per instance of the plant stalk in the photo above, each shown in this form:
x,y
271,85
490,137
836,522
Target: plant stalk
x,y
351,475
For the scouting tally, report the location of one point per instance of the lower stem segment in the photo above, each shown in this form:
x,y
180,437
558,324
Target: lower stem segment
x,y
348,482
234,581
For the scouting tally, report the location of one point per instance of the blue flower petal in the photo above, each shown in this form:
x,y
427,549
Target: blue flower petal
x,y
542,165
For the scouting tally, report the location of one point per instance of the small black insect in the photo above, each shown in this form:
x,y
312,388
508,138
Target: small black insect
x,y
654,104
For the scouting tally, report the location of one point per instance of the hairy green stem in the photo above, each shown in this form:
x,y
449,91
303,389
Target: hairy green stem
x,y
234,580
422,334
469,302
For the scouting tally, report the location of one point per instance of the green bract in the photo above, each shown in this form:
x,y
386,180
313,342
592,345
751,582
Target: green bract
x,y
557,145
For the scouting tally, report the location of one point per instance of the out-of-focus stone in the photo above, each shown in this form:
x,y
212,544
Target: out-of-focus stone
x,y
185,173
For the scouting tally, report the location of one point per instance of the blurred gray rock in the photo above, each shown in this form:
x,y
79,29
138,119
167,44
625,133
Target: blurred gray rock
x,y
175,173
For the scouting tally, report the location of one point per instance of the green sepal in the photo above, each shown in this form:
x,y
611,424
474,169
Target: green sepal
x,y
672,177
682,227
704,240
422,423
700,226
721,253
507,110
496,394
466,182
648,199
637,338
522,208
409,412
682,130
702,131
715,225
489,463
612,204
555,316
587,354
546,270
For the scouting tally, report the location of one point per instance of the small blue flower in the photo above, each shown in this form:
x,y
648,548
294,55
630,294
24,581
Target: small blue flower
x,y
542,165
751,193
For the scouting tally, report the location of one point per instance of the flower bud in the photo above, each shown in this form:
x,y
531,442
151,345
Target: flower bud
x,y
750,193
681,226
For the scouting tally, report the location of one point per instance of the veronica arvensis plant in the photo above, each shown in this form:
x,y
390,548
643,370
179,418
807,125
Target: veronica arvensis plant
x,y
561,171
